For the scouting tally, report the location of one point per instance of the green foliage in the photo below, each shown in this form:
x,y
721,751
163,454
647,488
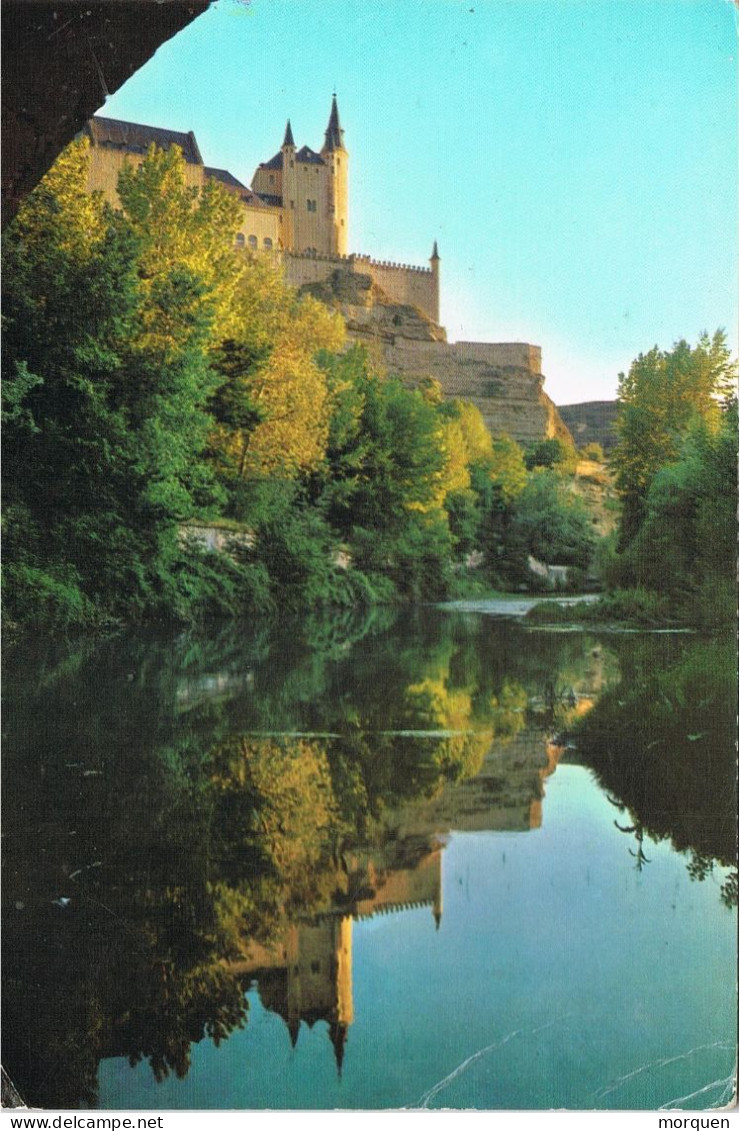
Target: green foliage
x,y
105,351
500,479
551,453
47,599
639,607
203,586
592,451
660,398
550,523
465,520
685,546
665,745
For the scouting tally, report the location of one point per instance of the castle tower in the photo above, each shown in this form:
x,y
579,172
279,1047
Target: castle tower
x,y
337,160
287,187
434,261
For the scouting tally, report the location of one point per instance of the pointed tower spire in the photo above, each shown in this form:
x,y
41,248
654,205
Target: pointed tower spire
x,y
289,139
337,1033
435,252
334,132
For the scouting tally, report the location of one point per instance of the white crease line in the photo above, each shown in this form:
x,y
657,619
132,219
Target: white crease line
x,y
657,1064
434,1091
727,1083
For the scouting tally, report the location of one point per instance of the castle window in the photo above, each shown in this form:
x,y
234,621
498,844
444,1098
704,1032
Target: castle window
x,y
271,179
292,203
253,242
240,239
268,243
315,967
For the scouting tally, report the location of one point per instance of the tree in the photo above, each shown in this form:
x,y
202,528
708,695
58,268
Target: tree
x,y
551,453
550,523
272,410
659,398
186,230
686,543
108,337
385,458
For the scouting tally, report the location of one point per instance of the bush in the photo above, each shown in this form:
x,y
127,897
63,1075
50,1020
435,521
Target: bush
x,y
624,606
551,453
201,585
48,599
416,559
550,523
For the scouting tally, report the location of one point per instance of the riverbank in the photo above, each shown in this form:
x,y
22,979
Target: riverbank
x,y
518,605
712,608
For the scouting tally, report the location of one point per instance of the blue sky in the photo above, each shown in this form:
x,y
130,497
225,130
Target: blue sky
x,y
575,159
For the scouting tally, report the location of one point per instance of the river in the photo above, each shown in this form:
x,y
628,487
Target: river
x,y
430,859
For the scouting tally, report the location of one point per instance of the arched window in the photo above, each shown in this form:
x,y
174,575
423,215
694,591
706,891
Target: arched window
x,y
253,241
268,243
240,239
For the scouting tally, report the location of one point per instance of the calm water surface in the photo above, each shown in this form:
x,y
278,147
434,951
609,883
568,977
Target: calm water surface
x,y
437,861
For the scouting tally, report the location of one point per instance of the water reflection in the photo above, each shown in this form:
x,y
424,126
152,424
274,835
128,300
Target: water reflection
x,y
183,817
663,743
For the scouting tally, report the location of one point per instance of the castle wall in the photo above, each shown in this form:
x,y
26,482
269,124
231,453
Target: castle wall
x,y
411,286
268,181
337,164
106,164
405,285
307,199
302,269
261,224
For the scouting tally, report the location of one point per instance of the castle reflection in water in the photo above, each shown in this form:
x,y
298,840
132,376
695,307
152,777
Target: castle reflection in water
x,y
305,975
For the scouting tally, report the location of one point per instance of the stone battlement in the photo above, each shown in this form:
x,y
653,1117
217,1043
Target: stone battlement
x,y
357,257
401,282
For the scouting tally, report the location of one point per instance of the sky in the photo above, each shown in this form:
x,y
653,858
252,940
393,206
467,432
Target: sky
x,y
575,159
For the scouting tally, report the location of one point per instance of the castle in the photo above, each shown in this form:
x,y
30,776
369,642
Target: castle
x,y
297,209
298,204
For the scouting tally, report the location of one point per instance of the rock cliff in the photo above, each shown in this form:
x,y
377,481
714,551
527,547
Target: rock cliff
x,y
503,380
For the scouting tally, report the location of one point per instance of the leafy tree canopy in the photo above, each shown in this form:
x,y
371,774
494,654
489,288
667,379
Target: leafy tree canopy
x,y
659,398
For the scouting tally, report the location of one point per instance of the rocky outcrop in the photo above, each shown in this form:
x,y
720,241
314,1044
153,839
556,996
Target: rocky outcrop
x,y
502,379
592,422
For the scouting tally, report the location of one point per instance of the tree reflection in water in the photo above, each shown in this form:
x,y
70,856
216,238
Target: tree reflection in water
x,y
215,810
664,744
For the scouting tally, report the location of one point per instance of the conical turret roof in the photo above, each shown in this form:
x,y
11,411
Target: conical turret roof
x,y
289,139
334,132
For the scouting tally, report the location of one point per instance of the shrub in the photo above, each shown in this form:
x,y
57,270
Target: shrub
x,y
551,453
